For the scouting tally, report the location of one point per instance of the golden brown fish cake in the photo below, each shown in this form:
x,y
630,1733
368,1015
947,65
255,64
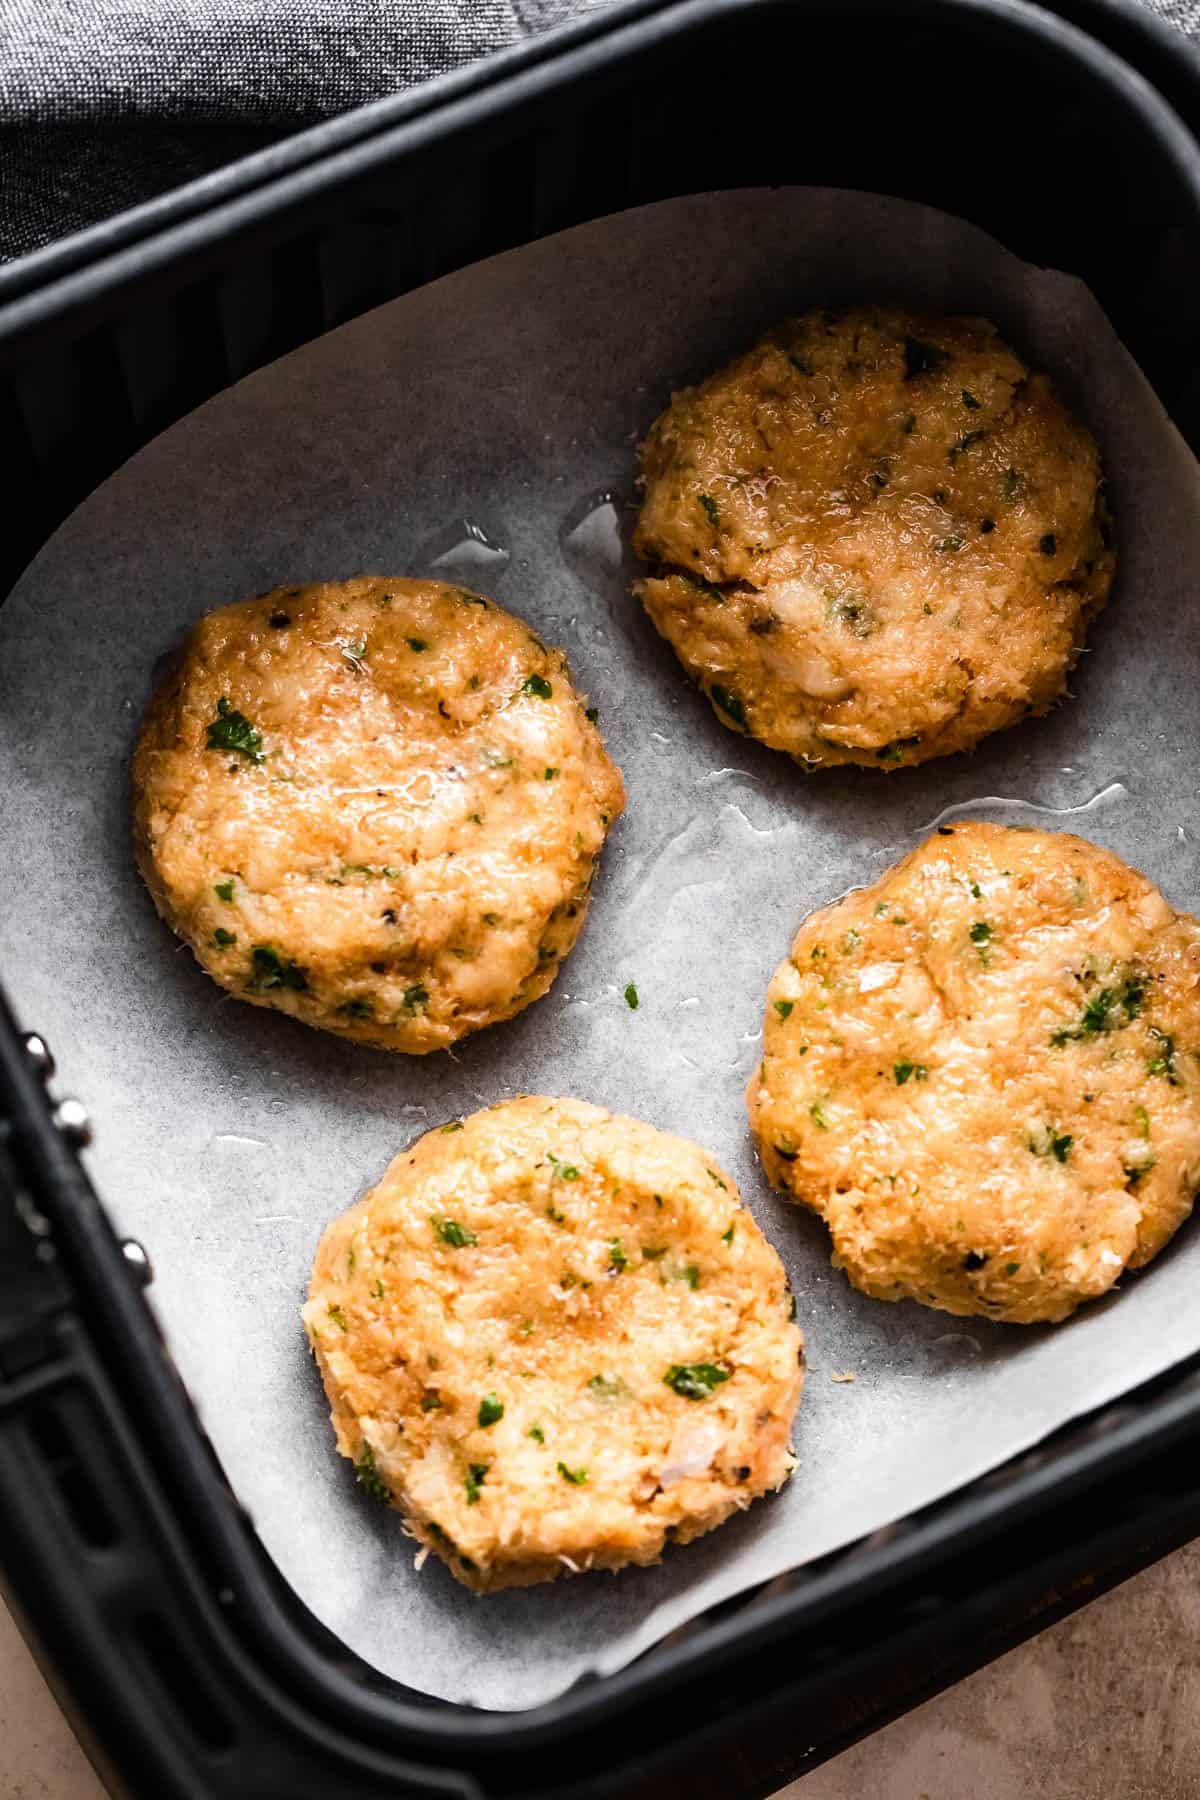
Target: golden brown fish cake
x,y
982,1071
875,537
553,1339
374,804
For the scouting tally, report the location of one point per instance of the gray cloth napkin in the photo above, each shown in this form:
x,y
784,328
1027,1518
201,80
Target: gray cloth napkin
x,y
105,103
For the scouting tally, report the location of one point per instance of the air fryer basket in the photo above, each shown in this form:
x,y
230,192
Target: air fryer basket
x,y
1070,136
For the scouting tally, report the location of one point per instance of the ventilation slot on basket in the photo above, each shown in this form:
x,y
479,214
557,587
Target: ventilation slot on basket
x,y
86,1507
171,1668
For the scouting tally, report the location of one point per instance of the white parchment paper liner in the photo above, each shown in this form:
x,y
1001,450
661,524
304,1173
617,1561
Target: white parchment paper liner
x,y
510,396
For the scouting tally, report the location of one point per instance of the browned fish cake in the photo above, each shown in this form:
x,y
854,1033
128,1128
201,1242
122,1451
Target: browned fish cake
x,y
553,1338
982,1071
875,537
374,804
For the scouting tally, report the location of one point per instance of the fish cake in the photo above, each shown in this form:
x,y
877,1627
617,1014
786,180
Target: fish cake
x,y
553,1339
374,804
874,538
982,1071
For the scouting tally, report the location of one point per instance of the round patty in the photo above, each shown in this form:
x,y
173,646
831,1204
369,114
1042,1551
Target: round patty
x,y
374,804
982,1072
875,537
553,1338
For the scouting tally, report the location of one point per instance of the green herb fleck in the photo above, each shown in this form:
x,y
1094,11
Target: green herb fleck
x,y
222,938
969,400
695,1381
714,1177
562,1171
431,1401
549,774
816,1113
592,714
537,1434
475,1477
1109,1010
909,1071
1011,1268
955,541
338,1316
894,751
1142,1118
274,971
729,704
727,1236
710,511
538,686
617,1259
785,1008
451,1125
1164,1062
232,730
852,613
417,644
358,1008
415,998
631,997
576,1477
369,1476
224,889
491,1410
452,1233
981,932
377,1288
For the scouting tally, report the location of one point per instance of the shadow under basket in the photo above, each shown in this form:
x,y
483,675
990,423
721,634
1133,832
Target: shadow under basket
x,y
188,1665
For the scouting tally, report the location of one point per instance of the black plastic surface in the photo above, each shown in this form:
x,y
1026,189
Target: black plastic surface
x,y
198,1671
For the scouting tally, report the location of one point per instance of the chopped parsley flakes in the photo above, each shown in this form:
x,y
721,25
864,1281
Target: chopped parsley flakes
x,y
537,1434
1163,1063
695,1381
451,1232
710,511
369,1476
232,730
222,938
538,686
491,1410
617,1259
416,998
224,889
909,1071
785,1008
475,1477
1109,1010
631,997
1047,1142
274,971
576,1477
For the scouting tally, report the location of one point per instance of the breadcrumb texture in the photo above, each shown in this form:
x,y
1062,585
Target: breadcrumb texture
x,y
875,537
553,1338
982,1071
373,804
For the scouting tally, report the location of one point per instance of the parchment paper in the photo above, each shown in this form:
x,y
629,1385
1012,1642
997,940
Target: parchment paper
x,y
476,427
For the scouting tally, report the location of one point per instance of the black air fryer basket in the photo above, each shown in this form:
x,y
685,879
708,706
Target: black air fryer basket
x,y
188,1664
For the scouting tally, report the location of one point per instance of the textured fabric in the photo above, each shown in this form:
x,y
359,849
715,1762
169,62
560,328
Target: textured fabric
x,y
105,103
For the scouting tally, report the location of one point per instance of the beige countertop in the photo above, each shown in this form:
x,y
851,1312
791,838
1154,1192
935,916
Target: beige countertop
x,y
1105,1706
